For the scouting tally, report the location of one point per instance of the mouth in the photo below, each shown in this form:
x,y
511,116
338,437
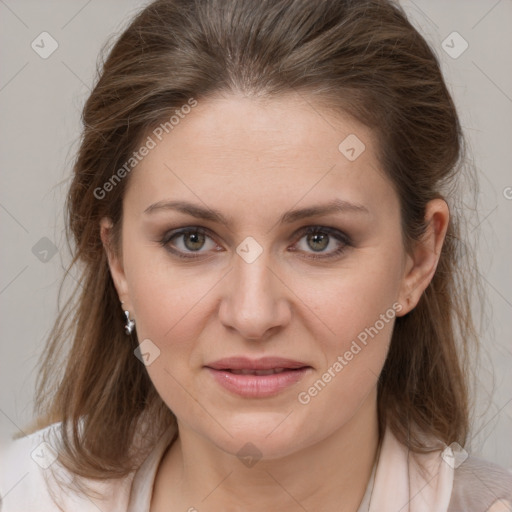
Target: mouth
x,y
260,378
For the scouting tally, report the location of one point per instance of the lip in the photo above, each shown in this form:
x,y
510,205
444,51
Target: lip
x,y
257,386
264,363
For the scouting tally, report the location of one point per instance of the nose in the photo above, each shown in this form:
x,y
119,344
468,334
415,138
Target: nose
x,y
255,301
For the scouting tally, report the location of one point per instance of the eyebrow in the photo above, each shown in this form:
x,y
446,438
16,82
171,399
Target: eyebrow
x,y
199,212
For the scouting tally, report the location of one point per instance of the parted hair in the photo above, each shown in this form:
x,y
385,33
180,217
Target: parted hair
x,y
363,58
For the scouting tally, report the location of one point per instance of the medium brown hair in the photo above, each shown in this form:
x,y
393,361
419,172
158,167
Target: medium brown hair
x,y
359,57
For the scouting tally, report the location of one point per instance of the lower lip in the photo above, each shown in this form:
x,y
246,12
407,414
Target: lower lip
x,y
257,386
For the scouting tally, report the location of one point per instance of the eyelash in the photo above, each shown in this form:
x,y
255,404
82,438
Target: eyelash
x,y
310,230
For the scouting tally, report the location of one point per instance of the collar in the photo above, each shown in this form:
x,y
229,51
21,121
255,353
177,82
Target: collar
x,y
401,480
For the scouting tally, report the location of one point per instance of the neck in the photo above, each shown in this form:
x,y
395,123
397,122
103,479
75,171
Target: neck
x,y
329,475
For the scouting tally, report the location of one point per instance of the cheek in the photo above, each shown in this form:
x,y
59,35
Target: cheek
x,y
169,313
352,298
359,307
361,315
164,296
167,305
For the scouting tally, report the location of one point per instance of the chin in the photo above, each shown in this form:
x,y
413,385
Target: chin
x,y
260,435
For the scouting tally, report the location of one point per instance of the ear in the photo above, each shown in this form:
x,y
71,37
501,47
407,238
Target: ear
x,y
421,265
115,262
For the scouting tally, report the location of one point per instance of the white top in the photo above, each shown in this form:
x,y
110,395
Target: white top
x,y
449,482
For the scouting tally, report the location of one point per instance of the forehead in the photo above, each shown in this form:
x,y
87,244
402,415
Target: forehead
x,y
231,150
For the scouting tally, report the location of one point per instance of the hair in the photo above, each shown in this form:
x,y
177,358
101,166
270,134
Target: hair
x,y
358,57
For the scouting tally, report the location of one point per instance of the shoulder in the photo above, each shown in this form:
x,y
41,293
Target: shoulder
x,y
480,485
22,466
31,478
449,479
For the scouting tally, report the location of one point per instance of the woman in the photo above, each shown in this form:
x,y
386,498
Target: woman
x,y
273,312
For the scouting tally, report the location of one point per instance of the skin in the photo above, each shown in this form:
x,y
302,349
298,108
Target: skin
x,y
253,160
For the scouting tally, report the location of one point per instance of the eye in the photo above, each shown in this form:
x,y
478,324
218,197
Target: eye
x,y
319,238
191,239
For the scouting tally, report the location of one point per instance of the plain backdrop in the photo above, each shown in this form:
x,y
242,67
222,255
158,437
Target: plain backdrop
x,y
40,104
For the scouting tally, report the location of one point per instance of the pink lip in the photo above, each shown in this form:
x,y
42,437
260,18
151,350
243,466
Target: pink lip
x,y
257,386
264,363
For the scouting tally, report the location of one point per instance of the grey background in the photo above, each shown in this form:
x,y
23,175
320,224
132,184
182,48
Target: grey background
x,y
40,103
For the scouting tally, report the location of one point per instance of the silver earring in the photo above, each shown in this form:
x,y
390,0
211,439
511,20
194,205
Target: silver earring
x,y
130,324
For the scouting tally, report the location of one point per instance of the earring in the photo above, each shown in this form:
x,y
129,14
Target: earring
x,y
130,324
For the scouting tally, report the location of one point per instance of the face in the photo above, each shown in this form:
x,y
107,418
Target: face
x,y
260,275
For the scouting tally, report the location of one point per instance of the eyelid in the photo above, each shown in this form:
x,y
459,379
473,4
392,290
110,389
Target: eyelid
x,y
317,228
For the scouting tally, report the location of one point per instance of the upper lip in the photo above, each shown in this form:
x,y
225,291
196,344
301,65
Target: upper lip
x,y
264,363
